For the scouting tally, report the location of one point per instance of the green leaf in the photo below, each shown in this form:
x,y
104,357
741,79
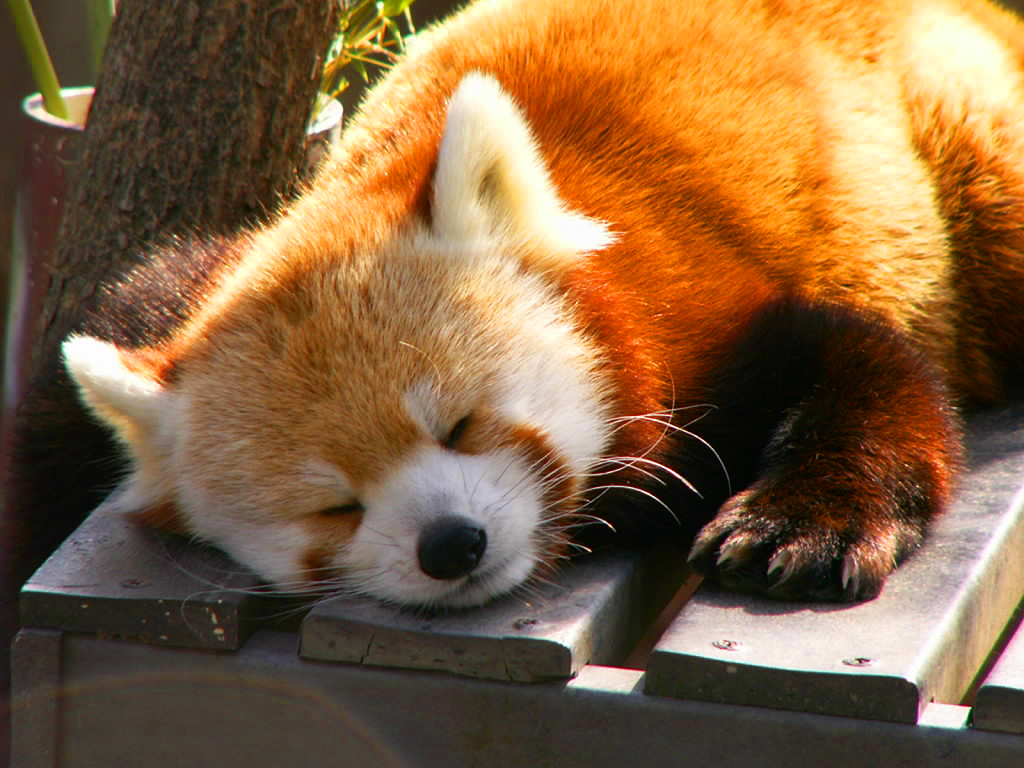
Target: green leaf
x,y
38,57
393,7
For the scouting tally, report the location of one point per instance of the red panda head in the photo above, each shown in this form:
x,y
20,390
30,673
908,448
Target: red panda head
x,y
411,418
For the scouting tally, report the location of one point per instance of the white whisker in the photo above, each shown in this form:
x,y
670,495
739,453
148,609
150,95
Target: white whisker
x,y
642,492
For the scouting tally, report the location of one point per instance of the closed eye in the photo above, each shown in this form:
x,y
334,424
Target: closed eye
x,y
452,440
341,509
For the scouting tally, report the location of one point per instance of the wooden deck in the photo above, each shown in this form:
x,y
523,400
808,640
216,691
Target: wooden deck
x,y
141,650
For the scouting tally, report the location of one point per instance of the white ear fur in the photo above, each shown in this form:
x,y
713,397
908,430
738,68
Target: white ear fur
x,y
140,411
491,180
128,401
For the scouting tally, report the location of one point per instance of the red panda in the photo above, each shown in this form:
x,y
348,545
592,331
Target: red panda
x,y
730,267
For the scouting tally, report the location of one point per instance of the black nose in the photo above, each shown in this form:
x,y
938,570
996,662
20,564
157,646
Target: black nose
x,y
451,547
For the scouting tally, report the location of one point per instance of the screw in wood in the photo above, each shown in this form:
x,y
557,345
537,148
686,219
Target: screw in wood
x,y
858,661
727,645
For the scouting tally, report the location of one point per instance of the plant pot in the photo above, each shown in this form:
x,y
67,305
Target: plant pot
x,y
50,146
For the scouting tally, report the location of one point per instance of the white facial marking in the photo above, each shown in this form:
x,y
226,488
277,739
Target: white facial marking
x,y
493,491
324,474
421,405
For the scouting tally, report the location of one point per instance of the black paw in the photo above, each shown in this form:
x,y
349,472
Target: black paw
x,y
802,549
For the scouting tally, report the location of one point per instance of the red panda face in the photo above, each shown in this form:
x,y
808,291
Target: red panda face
x,y
428,455
411,419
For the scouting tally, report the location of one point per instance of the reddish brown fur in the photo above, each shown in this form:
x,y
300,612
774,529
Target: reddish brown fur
x,y
165,516
330,532
818,208
747,184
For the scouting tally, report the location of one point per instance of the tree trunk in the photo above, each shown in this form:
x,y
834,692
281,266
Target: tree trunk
x,y
197,127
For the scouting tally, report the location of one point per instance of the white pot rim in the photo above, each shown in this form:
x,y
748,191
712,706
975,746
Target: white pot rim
x,y
78,100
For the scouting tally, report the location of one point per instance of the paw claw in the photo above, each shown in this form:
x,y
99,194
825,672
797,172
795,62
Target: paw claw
x,y
849,575
734,552
785,561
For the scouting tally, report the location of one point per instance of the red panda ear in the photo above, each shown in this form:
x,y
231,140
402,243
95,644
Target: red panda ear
x,y
132,403
491,181
139,408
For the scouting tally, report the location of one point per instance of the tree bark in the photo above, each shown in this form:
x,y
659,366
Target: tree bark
x,y
197,127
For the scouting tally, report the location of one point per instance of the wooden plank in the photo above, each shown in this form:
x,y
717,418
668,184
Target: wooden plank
x,y
924,638
594,613
999,705
115,577
128,704
35,704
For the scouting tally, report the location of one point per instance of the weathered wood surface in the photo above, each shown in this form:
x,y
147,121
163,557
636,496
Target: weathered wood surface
x,y
923,639
113,577
86,696
594,614
126,704
999,705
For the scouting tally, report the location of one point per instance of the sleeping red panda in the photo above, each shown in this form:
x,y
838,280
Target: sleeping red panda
x,y
655,264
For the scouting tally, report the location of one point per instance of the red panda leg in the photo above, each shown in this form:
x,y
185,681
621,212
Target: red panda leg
x,y
968,121
851,442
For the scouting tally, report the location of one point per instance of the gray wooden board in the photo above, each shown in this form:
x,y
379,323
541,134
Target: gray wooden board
x,y
115,577
923,639
999,704
135,704
594,613
36,681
